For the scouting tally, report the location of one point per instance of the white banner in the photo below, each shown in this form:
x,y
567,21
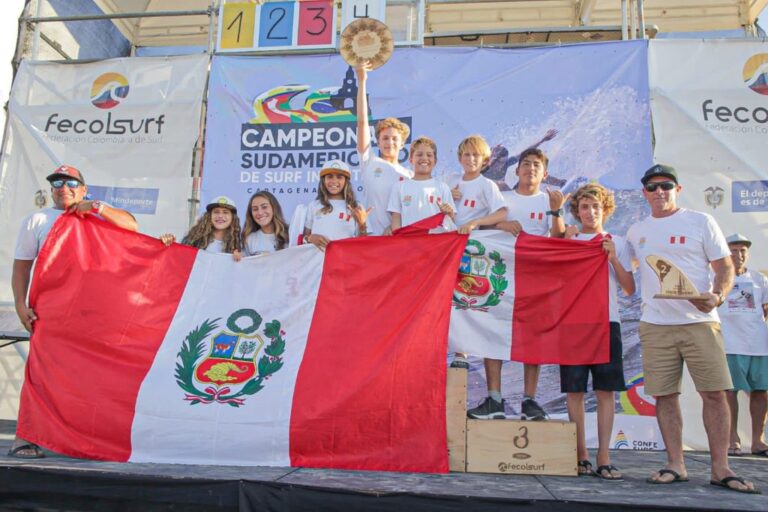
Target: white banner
x,y
129,125
709,103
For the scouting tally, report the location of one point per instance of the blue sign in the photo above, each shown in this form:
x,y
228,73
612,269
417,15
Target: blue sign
x,y
134,200
750,196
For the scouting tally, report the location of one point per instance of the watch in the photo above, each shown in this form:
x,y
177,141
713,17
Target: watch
x,y
555,213
720,298
97,207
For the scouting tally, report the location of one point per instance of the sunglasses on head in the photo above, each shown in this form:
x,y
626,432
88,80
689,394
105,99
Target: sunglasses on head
x,y
68,183
665,185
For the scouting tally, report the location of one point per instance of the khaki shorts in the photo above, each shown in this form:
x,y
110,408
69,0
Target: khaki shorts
x,y
665,347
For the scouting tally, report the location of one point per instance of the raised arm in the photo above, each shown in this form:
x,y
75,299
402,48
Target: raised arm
x,y
116,216
363,128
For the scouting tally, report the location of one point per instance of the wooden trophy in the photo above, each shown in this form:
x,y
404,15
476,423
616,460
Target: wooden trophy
x,y
366,39
673,283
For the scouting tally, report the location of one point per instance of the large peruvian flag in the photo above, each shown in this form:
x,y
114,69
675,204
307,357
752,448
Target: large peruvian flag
x,y
302,358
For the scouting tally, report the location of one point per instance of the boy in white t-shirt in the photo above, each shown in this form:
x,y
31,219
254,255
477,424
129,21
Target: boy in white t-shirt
x,y
478,199
379,173
742,319
413,200
537,213
591,205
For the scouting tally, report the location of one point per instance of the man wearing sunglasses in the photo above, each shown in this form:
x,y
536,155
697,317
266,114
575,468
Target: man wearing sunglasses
x,y
68,190
673,331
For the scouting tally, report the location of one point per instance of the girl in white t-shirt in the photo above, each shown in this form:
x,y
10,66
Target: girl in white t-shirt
x,y
265,228
335,214
217,231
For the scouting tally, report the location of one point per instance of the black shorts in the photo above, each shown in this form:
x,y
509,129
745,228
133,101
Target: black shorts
x,y
605,377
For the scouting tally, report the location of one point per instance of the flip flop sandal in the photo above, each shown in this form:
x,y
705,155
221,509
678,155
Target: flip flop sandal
x,y
677,478
762,453
587,468
16,452
601,472
735,452
725,481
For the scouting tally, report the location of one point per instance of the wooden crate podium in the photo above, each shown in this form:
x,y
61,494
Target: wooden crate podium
x,y
505,446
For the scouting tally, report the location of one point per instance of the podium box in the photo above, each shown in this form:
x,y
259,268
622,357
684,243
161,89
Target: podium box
x,y
456,418
521,447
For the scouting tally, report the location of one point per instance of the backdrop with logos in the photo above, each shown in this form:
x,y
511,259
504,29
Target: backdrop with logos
x,y
130,125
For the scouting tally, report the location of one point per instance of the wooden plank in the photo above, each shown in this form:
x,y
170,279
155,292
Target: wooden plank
x,y
456,418
521,447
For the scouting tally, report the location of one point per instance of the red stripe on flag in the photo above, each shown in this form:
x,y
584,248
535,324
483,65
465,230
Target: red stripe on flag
x,y
115,350
561,301
370,393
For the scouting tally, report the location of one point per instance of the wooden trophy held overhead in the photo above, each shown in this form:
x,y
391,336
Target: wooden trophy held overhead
x,y
366,39
673,283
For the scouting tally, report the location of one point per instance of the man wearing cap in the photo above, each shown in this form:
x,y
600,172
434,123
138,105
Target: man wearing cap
x,y
673,331
746,344
68,190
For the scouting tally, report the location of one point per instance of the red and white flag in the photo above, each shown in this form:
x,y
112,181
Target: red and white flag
x,y
532,299
152,354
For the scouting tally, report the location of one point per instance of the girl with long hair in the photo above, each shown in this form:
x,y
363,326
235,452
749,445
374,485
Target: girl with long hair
x,y
335,214
265,228
217,231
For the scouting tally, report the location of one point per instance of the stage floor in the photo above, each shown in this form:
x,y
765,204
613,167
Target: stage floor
x,y
62,483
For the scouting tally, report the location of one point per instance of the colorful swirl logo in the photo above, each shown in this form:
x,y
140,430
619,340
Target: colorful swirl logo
x,y
635,401
755,73
108,89
620,441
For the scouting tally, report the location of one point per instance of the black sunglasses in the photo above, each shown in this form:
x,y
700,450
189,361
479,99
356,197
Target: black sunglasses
x,y
61,183
665,185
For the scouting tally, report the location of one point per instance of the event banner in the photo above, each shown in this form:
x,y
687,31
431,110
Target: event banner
x,y
710,118
274,121
130,125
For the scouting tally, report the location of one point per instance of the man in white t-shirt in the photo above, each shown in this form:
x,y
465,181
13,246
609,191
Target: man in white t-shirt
x,y
673,331
745,332
379,173
68,190
537,213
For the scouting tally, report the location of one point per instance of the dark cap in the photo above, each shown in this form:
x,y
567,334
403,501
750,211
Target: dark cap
x,y
659,170
66,172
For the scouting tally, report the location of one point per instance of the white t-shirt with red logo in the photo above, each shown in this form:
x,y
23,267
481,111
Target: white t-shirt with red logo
x,y
378,178
690,240
529,211
622,254
479,197
334,225
415,200
741,315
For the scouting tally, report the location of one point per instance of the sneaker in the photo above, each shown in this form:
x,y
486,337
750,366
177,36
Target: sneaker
x,y
533,411
489,409
460,363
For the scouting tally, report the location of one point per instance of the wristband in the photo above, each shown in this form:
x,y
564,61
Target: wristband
x,y
97,207
555,213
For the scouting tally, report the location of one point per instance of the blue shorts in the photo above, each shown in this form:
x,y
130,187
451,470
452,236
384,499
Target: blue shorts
x,y
749,373
605,377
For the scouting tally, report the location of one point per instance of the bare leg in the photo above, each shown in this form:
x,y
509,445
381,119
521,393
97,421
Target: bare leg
x,y
605,414
530,379
575,403
733,405
493,374
758,407
670,420
717,423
